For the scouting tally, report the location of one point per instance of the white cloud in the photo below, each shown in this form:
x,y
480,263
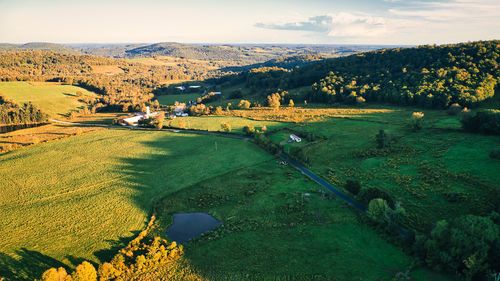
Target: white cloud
x,y
450,10
337,25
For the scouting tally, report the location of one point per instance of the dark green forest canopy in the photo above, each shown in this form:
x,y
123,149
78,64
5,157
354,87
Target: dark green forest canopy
x,y
427,76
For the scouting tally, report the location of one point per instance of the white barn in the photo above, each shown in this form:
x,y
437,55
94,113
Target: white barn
x,y
295,138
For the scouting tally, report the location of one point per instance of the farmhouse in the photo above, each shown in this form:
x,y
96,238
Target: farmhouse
x,y
295,138
134,120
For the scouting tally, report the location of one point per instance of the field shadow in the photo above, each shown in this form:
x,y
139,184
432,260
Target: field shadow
x,y
105,255
27,265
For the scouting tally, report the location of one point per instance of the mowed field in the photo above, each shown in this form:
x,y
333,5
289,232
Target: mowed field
x,y
54,99
83,197
171,99
213,123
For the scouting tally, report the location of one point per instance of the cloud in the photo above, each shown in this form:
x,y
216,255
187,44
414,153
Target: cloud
x,y
337,25
450,10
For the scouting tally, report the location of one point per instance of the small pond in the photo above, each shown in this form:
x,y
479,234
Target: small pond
x,y
187,226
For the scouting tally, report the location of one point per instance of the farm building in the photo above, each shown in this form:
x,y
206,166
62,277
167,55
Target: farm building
x,y
182,88
194,87
134,120
295,138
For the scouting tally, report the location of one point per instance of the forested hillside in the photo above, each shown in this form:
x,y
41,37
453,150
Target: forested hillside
x,y
122,85
426,76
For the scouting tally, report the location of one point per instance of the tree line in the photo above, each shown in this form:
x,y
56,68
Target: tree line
x,y
12,113
425,76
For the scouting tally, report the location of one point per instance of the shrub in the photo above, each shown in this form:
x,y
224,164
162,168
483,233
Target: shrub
x,y
360,100
484,122
218,111
454,109
368,194
416,120
225,127
249,130
353,186
377,209
244,104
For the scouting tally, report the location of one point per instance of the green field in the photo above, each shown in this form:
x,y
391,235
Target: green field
x,y
171,99
419,169
272,230
53,99
84,197
213,123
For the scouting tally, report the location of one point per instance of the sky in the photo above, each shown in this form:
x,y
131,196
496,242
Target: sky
x,y
390,22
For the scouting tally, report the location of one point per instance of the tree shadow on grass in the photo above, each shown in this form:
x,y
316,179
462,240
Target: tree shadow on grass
x,y
27,265
105,255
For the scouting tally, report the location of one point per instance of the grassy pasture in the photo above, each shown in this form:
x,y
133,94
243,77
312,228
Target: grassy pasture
x,y
54,99
213,123
420,169
271,230
84,197
171,99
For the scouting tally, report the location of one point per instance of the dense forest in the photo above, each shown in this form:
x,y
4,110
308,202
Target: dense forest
x,y
426,76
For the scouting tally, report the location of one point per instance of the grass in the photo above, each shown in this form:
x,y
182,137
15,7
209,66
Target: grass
x,y
419,169
84,197
271,230
53,99
213,123
26,137
171,99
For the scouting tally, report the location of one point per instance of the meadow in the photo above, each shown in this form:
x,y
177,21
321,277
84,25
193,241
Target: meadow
x,y
421,169
213,123
273,229
84,197
53,98
171,99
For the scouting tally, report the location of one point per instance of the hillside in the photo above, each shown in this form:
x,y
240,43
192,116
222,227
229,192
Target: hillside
x,y
426,76
52,98
245,53
37,46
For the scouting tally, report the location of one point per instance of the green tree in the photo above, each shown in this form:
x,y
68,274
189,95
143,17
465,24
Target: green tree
x,y
416,120
378,209
84,272
225,127
244,104
53,274
249,130
273,100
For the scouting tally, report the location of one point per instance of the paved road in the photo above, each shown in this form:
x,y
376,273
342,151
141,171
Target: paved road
x,y
323,183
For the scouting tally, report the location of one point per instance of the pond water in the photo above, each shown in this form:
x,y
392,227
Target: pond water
x,y
187,226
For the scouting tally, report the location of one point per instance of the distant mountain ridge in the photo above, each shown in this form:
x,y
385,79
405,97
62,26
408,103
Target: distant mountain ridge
x,y
37,46
247,54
